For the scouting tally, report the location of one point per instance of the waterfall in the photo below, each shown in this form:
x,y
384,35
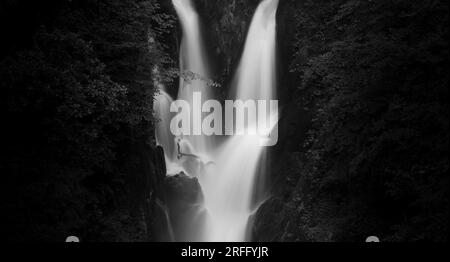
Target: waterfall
x,y
193,66
227,170
164,138
256,73
229,188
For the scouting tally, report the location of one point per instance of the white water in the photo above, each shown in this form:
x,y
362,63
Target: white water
x,y
226,171
161,107
256,73
192,59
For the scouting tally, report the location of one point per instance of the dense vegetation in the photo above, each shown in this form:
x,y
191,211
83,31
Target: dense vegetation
x,y
76,101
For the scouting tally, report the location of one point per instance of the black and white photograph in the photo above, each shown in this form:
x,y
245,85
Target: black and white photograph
x,y
224,121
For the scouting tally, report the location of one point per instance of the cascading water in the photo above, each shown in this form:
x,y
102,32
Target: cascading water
x,y
229,188
227,183
162,133
256,73
192,61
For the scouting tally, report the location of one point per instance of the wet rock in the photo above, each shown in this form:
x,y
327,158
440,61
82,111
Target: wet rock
x,y
161,226
272,223
266,223
184,201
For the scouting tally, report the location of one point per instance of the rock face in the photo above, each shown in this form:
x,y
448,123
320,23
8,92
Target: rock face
x,y
183,199
158,207
147,172
264,230
226,24
272,222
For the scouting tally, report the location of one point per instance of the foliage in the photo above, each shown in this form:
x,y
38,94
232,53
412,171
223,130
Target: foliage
x,y
75,101
375,74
